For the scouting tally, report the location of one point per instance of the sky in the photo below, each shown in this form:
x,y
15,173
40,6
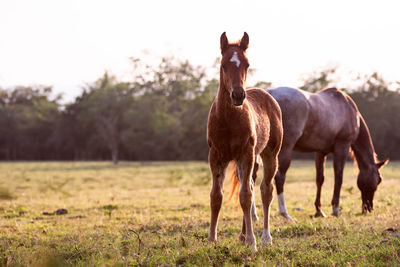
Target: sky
x,y
68,44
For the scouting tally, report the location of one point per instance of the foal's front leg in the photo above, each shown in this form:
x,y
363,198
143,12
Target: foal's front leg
x,y
270,162
245,167
217,167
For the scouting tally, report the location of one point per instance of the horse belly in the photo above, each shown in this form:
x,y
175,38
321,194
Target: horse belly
x,y
314,143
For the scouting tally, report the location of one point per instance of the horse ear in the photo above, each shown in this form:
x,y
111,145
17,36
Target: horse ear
x,y
382,163
244,43
224,42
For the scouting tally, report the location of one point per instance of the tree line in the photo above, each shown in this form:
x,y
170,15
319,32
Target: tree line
x,y
160,115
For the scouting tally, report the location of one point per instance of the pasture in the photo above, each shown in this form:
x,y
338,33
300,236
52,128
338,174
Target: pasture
x,y
157,213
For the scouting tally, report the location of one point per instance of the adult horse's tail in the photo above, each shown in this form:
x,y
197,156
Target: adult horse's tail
x,y
234,180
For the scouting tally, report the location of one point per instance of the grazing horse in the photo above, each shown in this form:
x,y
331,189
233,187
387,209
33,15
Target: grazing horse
x,y
326,122
242,124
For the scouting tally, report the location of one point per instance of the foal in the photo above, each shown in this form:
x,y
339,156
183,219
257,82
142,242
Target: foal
x,y
241,125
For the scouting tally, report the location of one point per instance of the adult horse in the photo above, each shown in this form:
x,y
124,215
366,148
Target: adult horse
x,y
326,122
241,125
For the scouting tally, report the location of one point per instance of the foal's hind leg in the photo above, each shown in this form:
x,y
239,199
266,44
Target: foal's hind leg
x,y
218,175
270,163
319,166
254,176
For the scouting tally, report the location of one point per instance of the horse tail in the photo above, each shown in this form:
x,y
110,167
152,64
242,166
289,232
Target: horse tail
x,y
234,181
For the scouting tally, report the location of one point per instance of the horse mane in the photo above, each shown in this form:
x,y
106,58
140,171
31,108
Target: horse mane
x,y
363,145
364,136
352,156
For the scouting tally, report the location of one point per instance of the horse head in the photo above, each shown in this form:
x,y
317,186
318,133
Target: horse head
x,y
234,65
368,181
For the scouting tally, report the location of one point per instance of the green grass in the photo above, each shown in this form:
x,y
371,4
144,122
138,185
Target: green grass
x,y
152,214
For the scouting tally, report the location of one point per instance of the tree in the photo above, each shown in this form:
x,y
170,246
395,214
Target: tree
x,y
103,104
380,107
162,112
27,118
263,85
318,80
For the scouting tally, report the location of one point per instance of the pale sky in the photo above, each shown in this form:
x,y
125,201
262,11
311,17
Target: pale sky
x,y
67,44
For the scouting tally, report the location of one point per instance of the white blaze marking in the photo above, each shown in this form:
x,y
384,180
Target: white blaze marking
x,y
235,59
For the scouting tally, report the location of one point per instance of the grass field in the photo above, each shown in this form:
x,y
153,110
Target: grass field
x,y
157,214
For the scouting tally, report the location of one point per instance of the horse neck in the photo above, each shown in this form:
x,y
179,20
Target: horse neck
x,y
363,148
225,110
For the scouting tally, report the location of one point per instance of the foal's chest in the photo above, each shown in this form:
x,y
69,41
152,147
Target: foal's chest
x,y
230,143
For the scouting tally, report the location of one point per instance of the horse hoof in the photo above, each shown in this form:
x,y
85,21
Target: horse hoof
x,y
319,214
251,242
212,239
266,238
242,237
254,248
336,212
286,216
266,242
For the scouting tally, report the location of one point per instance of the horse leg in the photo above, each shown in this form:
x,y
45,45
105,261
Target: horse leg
x,y
242,235
320,159
270,162
340,153
253,211
218,175
245,167
284,162
254,176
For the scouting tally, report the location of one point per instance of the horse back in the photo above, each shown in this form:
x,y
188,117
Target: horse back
x,y
315,121
341,110
332,117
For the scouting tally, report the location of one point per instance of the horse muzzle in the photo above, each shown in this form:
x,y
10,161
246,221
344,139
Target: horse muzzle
x,y
238,96
367,203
